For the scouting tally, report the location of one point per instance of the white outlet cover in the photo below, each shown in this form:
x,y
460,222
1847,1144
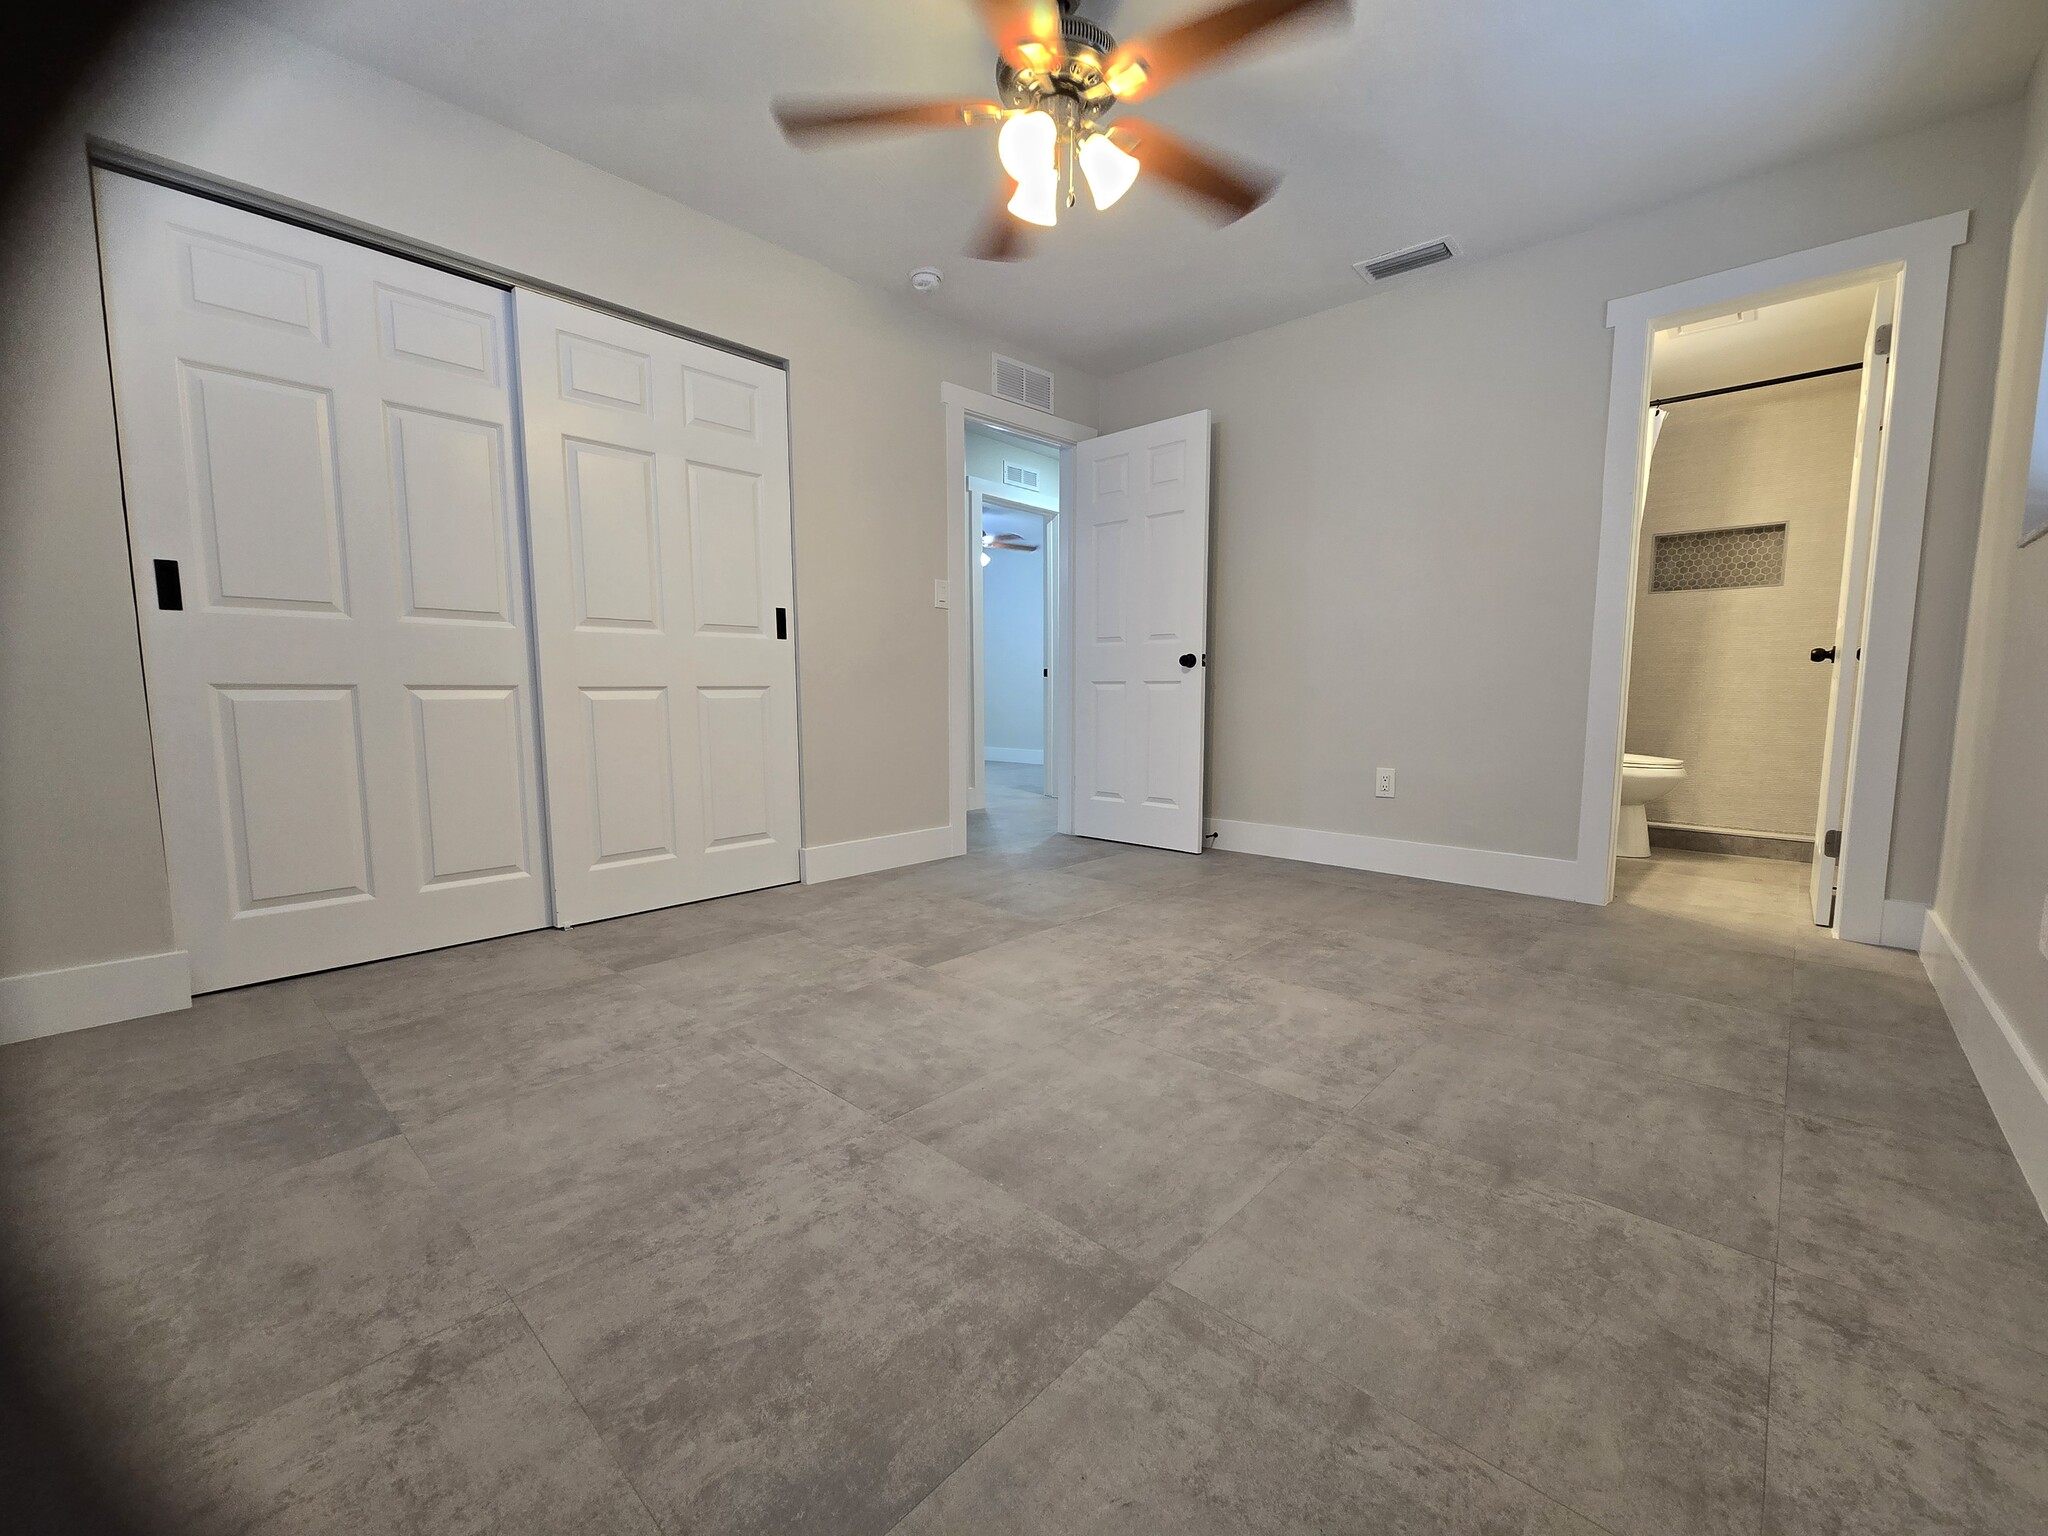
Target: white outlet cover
x,y
1383,783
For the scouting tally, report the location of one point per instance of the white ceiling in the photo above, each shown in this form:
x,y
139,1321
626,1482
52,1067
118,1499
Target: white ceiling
x,y
1823,330
1495,122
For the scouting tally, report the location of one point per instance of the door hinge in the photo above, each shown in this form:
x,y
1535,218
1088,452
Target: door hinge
x,y
1883,345
1831,845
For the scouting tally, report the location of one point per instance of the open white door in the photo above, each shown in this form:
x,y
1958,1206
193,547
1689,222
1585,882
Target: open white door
x,y
1140,620
317,453
658,487
1866,489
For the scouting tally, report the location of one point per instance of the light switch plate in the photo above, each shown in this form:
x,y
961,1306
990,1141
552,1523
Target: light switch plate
x,y
941,598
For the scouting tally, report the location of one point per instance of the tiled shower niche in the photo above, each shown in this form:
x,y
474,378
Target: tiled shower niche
x,y
1719,557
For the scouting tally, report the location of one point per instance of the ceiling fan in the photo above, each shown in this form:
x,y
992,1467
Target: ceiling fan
x,y
1058,78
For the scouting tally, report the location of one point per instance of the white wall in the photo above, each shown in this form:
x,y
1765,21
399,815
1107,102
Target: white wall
x,y
1721,677
242,102
1408,506
1994,875
1013,642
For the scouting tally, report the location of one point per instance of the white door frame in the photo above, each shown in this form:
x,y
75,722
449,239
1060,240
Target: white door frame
x,y
982,494
1919,255
958,404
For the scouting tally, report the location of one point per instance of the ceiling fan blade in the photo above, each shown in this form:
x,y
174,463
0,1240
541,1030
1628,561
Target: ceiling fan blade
x,y
1148,64
1228,189
1003,236
804,122
1026,32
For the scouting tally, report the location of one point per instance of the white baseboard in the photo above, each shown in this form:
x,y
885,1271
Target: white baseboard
x,y
1014,754
1904,924
866,855
1524,874
82,996
2012,1079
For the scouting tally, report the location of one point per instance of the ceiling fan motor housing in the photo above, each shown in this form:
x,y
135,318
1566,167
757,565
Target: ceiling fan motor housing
x,y
1080,77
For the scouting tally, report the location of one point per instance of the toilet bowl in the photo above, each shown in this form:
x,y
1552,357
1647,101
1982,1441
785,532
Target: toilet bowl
x,y
1644,781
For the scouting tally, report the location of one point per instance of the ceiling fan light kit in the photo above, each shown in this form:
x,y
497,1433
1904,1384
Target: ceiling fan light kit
x,y
1058,77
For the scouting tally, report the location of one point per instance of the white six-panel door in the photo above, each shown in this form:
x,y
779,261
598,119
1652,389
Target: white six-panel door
x,y
318,440
1140,633
658,485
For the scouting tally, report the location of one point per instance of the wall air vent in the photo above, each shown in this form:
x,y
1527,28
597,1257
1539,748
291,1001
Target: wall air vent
x,y
1023,476
1023,383
1394,263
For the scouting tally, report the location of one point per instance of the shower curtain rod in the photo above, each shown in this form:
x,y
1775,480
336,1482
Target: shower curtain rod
x,y
1736,389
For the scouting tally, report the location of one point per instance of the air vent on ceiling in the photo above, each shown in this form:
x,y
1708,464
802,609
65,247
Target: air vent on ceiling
x,y
1023,383
1394,263
1023,476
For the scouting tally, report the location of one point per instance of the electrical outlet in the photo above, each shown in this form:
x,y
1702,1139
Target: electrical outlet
x,y
941,597
1383,783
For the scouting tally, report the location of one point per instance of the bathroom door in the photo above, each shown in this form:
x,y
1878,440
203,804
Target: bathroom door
x,y
1866,487
1140,619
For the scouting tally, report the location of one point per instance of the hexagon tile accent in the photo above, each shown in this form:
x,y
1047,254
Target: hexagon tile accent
x,y
1719,557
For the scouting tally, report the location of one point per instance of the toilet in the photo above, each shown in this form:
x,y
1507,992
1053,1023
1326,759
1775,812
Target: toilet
x,y
1644,781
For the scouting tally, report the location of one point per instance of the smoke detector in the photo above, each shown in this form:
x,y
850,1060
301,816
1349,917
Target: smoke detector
x,y
925,279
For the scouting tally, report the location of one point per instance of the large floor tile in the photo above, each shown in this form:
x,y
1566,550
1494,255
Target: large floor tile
x,y
649,938
105,1145
1071,969
1301,1040
469,1433
1700,1159
196,1318
1893,998
548,1179
814,1345
1888,1421
1616,1364
723,986
1722,956
1143,1151
921,927
1920,1084
893,1045
435,1066
1743,1049
468,976
1945,1229
1181,1422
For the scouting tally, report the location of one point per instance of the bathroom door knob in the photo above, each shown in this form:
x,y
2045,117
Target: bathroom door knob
x,y
1821,653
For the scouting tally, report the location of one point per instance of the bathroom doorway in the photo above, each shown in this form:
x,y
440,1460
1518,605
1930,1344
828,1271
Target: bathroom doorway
x,y
1878,589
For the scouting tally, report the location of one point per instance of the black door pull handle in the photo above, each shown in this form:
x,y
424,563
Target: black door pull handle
x,y
782,623
1821,653
1187,659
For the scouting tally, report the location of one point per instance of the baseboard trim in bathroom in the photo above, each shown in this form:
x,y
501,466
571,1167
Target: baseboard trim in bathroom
x,y
1748,845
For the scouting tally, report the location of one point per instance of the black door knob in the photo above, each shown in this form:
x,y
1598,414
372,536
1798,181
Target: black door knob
x,y
1821,653
1187,658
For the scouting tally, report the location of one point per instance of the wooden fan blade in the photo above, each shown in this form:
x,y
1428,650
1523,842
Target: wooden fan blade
x,y
807,122
1148,64
1230,189
1003,237
1026,32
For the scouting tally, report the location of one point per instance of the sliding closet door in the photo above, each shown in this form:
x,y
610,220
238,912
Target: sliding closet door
x,y
658,486
317,450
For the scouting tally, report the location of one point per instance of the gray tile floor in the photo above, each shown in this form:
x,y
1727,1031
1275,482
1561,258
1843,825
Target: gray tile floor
x,y
1059,1188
